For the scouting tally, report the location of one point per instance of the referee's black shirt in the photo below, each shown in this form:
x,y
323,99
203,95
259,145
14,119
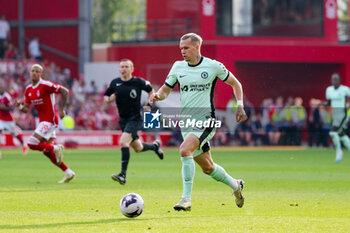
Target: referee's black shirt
x,y
128,95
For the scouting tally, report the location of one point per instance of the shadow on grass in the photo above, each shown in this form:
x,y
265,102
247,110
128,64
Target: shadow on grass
x,y
103,221
50,225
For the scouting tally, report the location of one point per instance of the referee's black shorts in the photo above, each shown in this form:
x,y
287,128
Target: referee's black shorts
x,y
130,125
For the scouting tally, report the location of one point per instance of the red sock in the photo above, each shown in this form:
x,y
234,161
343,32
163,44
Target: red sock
x,y
42,146
52,156
20,138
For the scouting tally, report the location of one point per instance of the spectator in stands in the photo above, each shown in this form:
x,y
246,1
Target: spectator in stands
x,y
258,131
244,132
326,125
9,51
299,120
4,35
314,123
34,48
78,89
68,123
91,89
278,117
16,54
68,80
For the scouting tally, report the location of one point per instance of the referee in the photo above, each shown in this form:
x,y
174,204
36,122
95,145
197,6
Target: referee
x,y
126,92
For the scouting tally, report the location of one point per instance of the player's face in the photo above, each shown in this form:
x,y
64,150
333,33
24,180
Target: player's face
x,y
35,74
335,81
189,50
126,69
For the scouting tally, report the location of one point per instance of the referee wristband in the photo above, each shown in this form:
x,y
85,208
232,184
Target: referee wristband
x,y
240,102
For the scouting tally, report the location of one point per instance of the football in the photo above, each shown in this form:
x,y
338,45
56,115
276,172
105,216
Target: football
x,y
131,205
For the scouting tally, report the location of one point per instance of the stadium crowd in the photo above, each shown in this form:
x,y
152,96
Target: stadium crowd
x,y
274,122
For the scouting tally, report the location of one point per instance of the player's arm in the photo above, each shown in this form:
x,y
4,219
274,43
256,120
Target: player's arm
x,y
161,94
241,116
22,107
61,110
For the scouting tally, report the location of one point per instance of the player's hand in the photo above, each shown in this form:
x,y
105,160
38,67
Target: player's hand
x,y
17,103
62,113
153,97
241,116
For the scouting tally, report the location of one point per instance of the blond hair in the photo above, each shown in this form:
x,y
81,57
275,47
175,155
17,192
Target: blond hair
x,y
38,66
195,38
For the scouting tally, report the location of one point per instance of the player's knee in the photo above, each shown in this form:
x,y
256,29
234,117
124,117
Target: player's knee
x,y
333,133
124,144
137,149
184,152
33,141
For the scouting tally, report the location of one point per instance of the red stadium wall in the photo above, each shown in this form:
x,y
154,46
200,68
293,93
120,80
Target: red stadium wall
x,y
267,66
63,38
278,65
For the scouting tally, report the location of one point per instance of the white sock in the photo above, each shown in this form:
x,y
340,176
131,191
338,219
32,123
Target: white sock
x,y
68,171
187,199
234,184
56,148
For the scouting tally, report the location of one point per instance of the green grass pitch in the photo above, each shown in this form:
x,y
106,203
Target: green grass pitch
x,y
287,190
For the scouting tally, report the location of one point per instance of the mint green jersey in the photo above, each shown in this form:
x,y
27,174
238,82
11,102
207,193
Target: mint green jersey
x,y
337,96
197,84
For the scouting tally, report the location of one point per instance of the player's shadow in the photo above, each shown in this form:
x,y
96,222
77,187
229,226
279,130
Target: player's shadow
x,y
51,225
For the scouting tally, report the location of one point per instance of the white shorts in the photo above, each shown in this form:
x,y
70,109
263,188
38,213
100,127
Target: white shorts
x,y
9,126
340,118
46,130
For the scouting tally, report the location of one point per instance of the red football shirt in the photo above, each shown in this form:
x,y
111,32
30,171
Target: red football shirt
x,y
42,96
6,100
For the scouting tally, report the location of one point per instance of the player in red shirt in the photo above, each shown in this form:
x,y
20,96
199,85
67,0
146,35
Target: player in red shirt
x,y
6,119
41,94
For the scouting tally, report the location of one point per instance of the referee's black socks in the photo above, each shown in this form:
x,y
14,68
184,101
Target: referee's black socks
x,y
125,159
148,146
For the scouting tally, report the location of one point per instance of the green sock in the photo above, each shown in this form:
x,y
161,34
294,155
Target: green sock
x,y
219,174
336,140
188,169
346,141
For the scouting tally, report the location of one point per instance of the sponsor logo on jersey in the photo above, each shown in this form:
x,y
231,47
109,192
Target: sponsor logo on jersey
x,y
196,87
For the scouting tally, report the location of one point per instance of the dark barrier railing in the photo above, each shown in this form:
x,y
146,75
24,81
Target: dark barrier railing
x,y
152,30
344,31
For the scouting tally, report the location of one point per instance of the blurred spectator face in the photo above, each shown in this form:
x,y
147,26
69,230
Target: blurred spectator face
x,y
66,72
298,102
279,101
126,69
